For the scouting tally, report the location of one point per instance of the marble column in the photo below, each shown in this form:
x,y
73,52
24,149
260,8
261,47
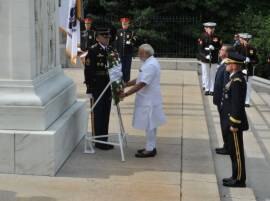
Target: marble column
x,y
41,121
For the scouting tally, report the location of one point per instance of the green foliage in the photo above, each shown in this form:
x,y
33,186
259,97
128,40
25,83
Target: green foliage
x,y
231,16
258,24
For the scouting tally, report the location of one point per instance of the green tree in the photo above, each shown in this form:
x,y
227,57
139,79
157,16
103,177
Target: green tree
x,y
231,16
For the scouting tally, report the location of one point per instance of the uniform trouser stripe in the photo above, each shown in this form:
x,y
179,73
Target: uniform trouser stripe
x,y
238,157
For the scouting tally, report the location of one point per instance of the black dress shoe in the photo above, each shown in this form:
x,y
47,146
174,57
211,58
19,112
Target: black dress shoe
x,y
207,93
146,154
247,105
211,93
142,150
222,151
225,180
104,146
234,183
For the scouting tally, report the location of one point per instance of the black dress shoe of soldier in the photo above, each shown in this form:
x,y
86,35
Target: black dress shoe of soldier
x,y
234,183
146,154
207,93
226,179
222,151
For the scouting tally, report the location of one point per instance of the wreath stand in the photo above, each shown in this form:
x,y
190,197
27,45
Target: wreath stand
x,y
121,135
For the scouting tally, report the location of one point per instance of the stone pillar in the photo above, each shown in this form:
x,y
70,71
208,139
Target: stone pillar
x,y
40,119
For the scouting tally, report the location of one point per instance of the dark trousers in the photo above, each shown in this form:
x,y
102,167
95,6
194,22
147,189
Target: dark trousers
x,y
102,112
224,128
126,67
237,156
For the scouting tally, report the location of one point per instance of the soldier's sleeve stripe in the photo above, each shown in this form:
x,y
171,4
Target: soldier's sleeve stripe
x,y
236,121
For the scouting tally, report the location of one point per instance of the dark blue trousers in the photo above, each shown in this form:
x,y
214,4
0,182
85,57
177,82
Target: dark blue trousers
x,y
126,66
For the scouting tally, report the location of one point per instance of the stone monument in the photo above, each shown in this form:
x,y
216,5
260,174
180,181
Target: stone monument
x,y
41,122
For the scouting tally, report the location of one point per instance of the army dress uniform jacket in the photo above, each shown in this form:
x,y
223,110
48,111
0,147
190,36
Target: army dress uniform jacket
x,y
204,42
233,102
250,52
88,39
124,42
96,74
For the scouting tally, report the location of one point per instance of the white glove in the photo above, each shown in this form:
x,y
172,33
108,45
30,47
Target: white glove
x,y
244,71
211,47
247,60
90,96
128,42
208,57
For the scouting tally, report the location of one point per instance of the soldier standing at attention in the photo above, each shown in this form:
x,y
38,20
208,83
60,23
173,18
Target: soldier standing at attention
x,y
88,35
96,79
233,104
245,49
124,43
208,45
222,78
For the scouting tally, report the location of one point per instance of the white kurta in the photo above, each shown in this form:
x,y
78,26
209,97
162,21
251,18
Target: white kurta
x,y
148,112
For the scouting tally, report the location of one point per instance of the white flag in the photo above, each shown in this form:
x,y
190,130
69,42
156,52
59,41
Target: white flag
x,y
71,25
63,15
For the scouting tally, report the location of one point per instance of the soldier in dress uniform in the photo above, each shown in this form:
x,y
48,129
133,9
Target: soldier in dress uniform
x,y
208,46
233,104
88,37
96,79
124,43
245,49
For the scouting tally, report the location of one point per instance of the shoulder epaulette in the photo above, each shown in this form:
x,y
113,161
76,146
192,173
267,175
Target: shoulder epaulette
x,y
237,80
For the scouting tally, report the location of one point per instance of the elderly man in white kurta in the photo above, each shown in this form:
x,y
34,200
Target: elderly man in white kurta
x,y
148,113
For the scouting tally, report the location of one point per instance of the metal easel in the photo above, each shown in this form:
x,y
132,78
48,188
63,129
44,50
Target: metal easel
x,y
121,135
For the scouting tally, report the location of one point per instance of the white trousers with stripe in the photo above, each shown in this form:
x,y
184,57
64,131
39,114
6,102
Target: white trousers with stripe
x,y
208,76
249,89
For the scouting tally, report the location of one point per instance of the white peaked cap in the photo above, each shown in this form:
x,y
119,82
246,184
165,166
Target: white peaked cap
x,y
209,24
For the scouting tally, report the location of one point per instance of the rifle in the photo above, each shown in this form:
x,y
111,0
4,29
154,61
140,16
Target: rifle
x,y
210,49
